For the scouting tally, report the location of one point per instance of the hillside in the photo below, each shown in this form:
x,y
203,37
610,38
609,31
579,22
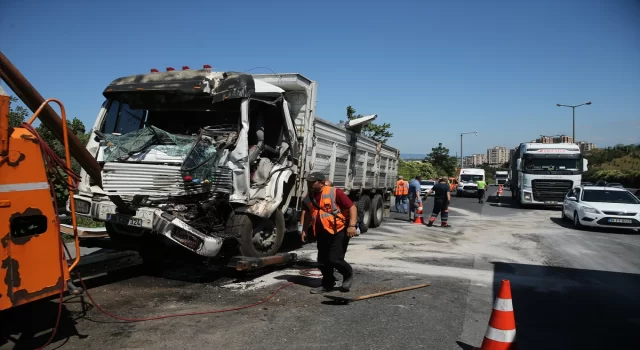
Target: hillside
x,y
615,164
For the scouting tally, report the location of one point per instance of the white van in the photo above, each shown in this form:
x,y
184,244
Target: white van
x,y
467,182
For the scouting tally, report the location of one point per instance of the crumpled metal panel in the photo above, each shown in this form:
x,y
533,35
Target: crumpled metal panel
x,y
159,180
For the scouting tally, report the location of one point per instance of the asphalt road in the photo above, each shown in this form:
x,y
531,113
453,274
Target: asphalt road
x,y
571,290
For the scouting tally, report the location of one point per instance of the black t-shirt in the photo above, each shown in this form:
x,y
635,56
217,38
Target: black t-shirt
x,y
441,190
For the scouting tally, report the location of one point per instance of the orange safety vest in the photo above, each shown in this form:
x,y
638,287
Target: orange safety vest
x,y
402,188
331,216
500,190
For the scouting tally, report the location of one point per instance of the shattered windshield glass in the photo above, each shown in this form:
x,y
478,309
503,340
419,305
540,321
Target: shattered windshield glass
x,y
121,147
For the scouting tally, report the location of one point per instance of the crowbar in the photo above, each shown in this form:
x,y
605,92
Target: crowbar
x,y
374,295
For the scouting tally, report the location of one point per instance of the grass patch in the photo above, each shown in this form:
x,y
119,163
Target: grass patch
x,y
83,221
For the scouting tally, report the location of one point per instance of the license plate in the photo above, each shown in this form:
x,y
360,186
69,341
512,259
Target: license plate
x,y
551,202
620,221
124,220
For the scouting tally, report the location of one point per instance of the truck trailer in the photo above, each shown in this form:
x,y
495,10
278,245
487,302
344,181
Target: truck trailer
x,y
542,174
207,160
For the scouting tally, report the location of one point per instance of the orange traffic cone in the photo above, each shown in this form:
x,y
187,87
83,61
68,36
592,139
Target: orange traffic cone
x,y
419,219
501,332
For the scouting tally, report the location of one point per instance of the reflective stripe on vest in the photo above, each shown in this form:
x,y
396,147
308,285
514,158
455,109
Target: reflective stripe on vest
x,y
331,217
402,188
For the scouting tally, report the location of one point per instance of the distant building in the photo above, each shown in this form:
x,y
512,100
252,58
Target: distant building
x,y
497,155
586,146
478,159
555,139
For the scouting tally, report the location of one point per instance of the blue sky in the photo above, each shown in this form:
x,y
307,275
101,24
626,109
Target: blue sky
x,y
432,69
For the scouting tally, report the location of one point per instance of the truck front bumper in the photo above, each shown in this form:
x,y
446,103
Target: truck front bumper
x,y
154,220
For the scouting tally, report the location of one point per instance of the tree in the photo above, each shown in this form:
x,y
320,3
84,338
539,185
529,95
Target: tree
x,y
377,132
409,169
18,114
77,128
442,161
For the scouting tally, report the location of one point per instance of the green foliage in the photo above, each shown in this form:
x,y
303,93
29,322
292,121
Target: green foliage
x,y
442,161
18,114
377,132
620,163
77,127
409,169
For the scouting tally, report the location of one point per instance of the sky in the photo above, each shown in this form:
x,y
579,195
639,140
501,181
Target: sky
x,y
433,69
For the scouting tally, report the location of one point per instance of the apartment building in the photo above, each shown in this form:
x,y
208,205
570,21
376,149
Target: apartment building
x,y
497,155
586,146
555,139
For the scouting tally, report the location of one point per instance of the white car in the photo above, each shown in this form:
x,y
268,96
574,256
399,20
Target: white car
x,y
597,206
426,186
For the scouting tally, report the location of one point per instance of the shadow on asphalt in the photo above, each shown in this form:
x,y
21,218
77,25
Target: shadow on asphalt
x,y
29,326
564,308
568,224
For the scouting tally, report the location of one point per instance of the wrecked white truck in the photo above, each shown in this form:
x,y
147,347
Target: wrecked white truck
x,y
210,160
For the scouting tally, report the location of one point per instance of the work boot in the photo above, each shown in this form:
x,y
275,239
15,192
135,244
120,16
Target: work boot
x,y
347,281
444,224
320,290
430,223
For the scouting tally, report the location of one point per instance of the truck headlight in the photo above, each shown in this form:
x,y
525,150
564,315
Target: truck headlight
x,y
527,196
82,207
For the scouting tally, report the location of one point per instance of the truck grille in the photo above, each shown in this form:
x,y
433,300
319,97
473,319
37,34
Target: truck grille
x,y
158,180
550,190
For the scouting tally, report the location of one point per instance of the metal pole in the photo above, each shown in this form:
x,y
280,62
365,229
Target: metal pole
x,y
32,99
574,124
461,154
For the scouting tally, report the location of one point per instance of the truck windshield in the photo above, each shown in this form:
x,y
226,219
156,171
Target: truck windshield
x,y
551,164
624,197
501,176
471,178
180,119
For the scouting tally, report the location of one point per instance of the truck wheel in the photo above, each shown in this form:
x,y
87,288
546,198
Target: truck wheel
x,y
377,205
258,237
364,207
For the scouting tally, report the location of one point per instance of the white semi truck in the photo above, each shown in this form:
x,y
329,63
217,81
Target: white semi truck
x,y
501,177
209,160
541,174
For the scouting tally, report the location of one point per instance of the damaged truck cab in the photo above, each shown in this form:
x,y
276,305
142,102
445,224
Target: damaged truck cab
x,y
204,158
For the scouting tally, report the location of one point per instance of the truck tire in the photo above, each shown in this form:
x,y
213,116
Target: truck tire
x,y
364,207
377,211
258,237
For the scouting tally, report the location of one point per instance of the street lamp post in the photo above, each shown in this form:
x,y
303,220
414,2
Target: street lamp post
x,y
574,116
461,154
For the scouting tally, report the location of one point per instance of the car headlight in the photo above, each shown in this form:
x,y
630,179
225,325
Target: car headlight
x,y
591,210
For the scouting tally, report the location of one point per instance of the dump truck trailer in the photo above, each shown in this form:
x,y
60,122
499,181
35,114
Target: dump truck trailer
x,y
210,159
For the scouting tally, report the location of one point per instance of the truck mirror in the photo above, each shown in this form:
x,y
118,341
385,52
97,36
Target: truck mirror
x,y
585,163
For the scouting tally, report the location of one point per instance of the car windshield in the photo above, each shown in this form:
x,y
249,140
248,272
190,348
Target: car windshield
x,y
471,178
427,183
551,164
623,197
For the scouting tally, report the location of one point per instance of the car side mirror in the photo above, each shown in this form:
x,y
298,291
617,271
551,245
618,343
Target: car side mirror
x,y
574,199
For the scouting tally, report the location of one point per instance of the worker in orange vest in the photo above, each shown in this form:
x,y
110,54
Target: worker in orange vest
x,y
333,222
402,191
